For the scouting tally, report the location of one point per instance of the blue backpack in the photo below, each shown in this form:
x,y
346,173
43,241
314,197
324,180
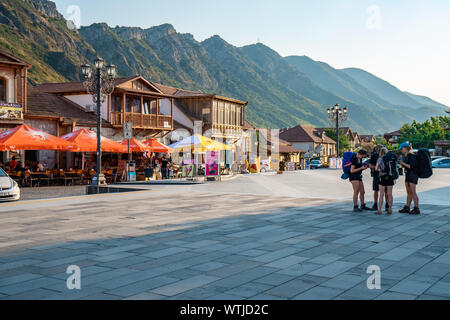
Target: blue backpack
x,y
347,163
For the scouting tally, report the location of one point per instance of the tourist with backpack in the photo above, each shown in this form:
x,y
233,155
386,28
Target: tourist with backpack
x,y
388,173
416,166
356,169
376,177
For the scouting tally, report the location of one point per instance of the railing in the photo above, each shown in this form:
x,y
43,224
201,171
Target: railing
x,y
142,121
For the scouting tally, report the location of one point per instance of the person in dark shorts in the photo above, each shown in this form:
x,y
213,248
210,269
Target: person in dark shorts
x,y
376,177
356,169
386,183
410,164
164,168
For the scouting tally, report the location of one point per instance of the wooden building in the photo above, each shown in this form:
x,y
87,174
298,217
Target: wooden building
x,y
134,100
223,117
13,90
352,136
392,137
220,118
314,142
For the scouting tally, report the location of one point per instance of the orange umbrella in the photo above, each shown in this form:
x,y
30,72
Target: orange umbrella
x,y
86,141
136,145
156,146
25,137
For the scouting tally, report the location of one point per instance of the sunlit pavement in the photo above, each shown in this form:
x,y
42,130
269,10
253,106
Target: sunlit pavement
x,y
292,236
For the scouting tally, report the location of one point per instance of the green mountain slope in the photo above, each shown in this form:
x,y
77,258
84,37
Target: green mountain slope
x,y
344,85
281,92
425,101
380,87
281,71
36,32
337,82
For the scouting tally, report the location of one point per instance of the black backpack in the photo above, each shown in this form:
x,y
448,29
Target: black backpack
x,y
390,162
424,167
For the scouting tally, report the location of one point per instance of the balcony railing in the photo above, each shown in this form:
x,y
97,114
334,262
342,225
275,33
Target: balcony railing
x,y
142,121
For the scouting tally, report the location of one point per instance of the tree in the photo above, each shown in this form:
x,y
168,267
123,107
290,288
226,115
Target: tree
x,y
344,141
380,140
423,135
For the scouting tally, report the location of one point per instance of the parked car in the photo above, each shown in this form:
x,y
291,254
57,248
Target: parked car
x,y
436,157
315,164
9,189
441,163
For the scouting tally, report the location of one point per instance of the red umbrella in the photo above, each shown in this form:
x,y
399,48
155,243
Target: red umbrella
x,y
25,137
136,145
86,141
158,147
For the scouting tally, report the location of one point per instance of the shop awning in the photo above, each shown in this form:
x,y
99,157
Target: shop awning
x,y
136,145
200,144
156,146
25,137
85,140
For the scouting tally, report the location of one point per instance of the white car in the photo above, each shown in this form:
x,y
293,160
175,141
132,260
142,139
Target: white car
x,y
441,163
9,189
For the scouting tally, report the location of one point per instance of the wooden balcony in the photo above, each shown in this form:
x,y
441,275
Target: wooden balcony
x,y
142,121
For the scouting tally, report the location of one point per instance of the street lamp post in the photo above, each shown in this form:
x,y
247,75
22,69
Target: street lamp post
x,y
337,115
99,85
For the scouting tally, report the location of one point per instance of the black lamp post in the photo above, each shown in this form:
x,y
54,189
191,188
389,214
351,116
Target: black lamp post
x,y
99,85
337,115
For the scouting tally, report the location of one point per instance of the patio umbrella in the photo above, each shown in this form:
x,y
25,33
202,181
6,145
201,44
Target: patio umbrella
x,y
25,137
85,140
156,146
200,144
136,145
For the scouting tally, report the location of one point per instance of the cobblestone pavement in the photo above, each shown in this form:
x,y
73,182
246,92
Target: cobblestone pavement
x,y
199,245
51,192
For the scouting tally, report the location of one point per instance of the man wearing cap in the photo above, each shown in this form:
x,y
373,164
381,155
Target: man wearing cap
x,y
409,162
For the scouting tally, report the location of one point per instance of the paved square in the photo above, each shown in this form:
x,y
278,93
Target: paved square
x,y
174,244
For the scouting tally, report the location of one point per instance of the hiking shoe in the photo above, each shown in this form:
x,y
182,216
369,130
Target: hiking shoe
x,y
356,209
364,207
375,207
404,210
415,211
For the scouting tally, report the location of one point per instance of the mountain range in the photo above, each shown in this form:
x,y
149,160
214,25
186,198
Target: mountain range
x,y
282,91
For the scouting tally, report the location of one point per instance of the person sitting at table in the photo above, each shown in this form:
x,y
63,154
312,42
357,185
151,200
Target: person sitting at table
x,y
40,167
13,163
20,168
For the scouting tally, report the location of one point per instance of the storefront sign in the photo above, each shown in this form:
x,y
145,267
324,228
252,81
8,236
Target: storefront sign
x,y
11,111
291,166
212,163
188,170
265,165
128,130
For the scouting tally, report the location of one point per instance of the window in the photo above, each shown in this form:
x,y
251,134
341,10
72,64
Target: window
x,y
116,104
220,110
128,105
2,89
136,105
215,113
146,107
153,107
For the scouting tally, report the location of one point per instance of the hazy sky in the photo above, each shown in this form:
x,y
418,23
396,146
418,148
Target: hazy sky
x,y
406,42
